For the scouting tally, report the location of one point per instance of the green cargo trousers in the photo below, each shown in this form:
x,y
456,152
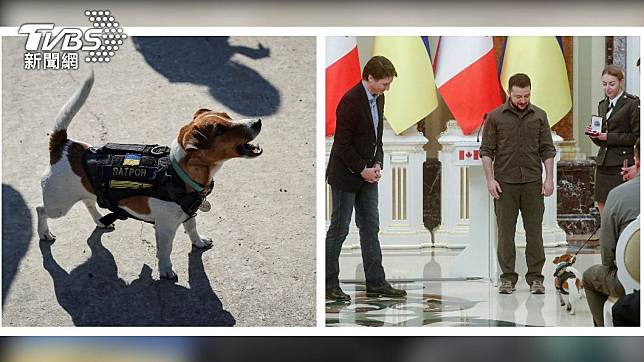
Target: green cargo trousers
x,y
527,198
601,281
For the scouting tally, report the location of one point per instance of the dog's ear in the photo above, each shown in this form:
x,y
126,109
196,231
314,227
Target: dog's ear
x,y
199,138
200,111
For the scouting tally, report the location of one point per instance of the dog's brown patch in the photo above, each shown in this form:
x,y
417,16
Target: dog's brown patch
x,y
138,204
565,285
57,142
578,284
208,139
196,169
75,156
202,130
566,258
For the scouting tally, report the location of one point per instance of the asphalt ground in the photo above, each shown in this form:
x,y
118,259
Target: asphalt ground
x,y
261,270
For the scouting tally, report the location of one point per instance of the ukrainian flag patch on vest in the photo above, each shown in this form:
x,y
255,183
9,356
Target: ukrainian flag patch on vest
x,y
128,166
131,159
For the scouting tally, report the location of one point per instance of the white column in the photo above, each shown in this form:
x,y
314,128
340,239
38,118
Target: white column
x,y
400,193
454,229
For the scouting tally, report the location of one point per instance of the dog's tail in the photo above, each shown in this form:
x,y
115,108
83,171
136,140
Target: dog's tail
x,y
58,136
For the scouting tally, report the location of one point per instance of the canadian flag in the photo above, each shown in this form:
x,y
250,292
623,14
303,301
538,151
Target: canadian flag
x,y
342,73
466,78
468,154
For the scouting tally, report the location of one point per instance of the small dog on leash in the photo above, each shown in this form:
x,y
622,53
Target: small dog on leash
x,y
166,195
568,282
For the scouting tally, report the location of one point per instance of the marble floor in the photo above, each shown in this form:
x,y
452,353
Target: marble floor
x,y
436,300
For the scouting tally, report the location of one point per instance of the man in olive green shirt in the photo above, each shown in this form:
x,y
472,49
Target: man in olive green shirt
x,y
516,140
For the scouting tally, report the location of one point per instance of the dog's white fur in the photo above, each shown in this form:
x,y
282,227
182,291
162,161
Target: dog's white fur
x,y
62,188
575,294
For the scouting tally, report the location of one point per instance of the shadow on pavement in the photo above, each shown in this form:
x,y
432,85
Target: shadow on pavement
x,y
208,61
16,234
94,295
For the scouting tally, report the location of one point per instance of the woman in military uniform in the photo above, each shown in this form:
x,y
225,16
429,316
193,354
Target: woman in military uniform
x,y
621,127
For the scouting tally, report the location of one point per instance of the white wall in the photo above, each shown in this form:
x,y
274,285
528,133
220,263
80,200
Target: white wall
x,y
632,73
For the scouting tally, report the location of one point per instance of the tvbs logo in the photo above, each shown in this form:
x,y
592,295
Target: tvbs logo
x,y
99,42
42,37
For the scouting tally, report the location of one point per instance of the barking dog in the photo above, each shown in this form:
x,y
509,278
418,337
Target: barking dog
x,y
197,153
568,282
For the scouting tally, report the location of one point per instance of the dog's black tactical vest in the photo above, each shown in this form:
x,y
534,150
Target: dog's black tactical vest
x,y
118,171
562,274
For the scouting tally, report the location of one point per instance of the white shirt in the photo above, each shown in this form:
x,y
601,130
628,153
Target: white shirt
x,y
612,103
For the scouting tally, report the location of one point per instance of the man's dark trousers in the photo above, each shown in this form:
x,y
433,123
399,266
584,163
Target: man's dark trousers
x,y
527,198
365,201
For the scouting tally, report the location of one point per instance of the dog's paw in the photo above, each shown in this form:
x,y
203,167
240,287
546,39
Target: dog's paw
x,y
203,243
169,275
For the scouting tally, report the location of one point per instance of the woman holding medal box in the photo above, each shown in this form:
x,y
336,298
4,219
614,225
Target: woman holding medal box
x,y
620,129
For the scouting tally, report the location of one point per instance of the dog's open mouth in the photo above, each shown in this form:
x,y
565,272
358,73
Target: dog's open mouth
x,y
249,150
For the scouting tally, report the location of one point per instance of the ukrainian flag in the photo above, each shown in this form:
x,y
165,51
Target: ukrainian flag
x,y
412,95
131,159
541,58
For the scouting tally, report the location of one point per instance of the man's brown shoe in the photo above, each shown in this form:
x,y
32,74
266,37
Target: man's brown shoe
x,y
336,293
386,290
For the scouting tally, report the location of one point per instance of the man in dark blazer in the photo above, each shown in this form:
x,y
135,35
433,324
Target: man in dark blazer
x,y
353,172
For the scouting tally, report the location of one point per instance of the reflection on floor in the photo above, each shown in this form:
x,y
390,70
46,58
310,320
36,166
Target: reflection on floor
x,y
433,300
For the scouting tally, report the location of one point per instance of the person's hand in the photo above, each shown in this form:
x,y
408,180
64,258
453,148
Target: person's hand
x,y
378,170
628,173
370,175
494,188
548,188
598,136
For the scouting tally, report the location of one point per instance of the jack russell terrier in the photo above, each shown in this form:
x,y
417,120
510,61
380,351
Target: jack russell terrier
x,y
165,196
568,282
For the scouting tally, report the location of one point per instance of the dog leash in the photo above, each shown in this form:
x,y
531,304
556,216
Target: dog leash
x,y
561,267
584,244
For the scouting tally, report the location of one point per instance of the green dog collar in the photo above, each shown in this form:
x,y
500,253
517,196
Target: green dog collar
x,y
183,175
